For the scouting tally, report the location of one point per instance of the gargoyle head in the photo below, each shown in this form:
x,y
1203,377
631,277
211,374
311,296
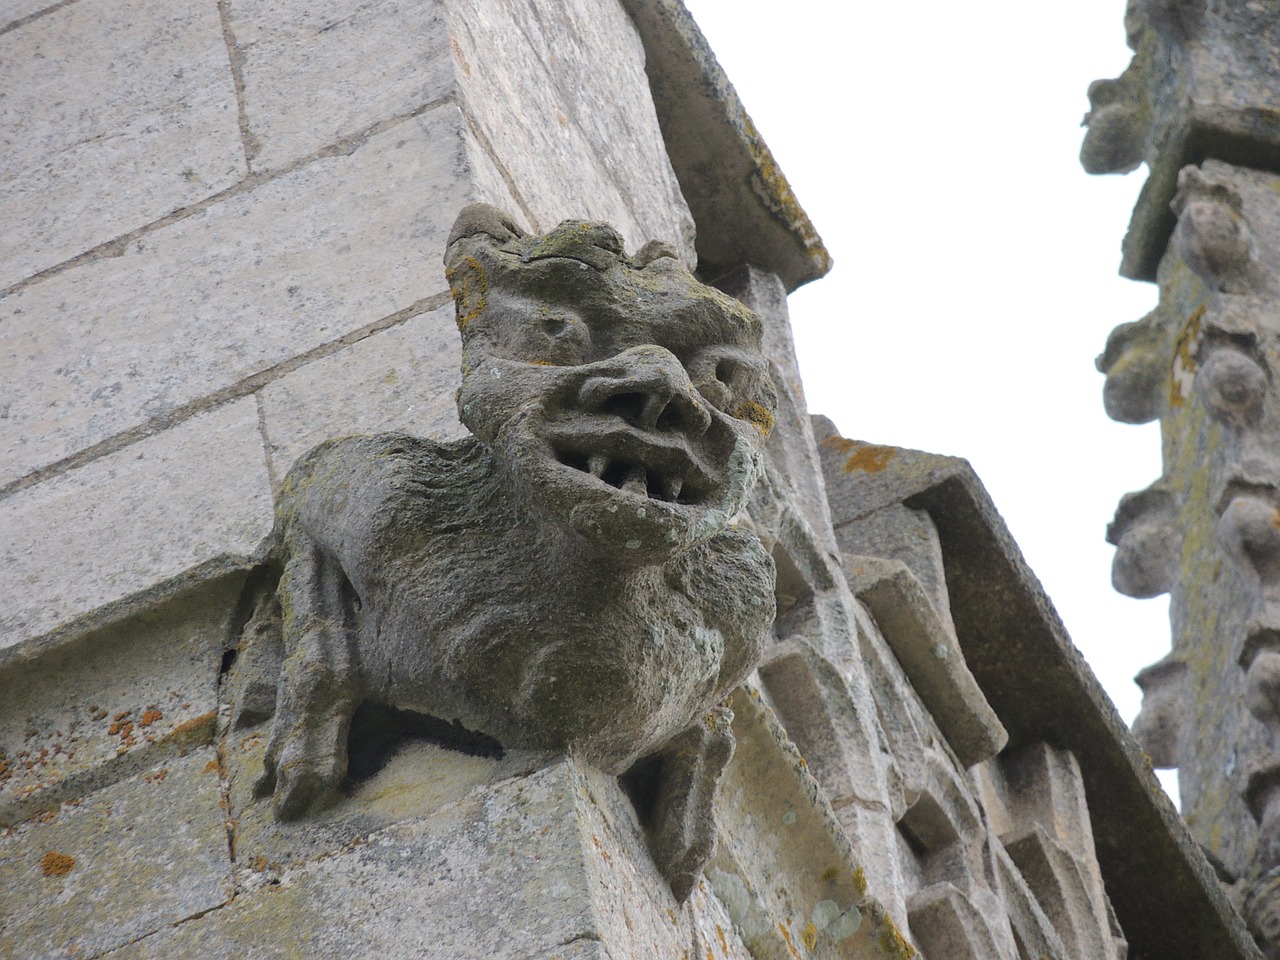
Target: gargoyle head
x,y
630,399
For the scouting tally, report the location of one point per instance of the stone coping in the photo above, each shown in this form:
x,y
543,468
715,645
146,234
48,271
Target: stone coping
x,y
1166,896
743,206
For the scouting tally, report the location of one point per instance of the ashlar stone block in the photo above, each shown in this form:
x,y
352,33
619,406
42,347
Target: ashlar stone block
x,y
121,864
114,114
931,657
315,73
559,91
247,284
551,864
112,702
195,494
403,379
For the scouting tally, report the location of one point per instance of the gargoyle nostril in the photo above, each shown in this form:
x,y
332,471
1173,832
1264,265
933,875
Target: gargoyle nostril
x,y
631,407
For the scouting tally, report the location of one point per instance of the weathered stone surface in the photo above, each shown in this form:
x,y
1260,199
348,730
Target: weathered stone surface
x,y
584,140
103,94
1148,542
543,865
315,73
743,205
248,283
107,704
404,378
931,658
792,450
195,494
1201,85
1019,653
896,532
1045,825
619,410
14,10
1161,723
121,864
785,869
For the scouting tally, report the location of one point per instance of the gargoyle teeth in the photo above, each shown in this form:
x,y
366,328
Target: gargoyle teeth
x,y
636,482
596,465
671,487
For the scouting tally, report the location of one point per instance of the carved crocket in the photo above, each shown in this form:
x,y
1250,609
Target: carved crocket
x,y
568,579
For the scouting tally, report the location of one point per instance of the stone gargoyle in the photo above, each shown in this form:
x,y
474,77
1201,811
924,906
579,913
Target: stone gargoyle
x,y
569,579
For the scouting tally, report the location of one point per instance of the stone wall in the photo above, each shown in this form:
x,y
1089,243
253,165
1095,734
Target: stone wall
x,y
232,220
232,217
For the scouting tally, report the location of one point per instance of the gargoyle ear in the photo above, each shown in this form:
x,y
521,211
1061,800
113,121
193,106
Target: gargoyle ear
x,y
651,251
478,219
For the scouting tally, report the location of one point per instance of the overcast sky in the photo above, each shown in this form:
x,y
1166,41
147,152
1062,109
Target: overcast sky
x,y
934,144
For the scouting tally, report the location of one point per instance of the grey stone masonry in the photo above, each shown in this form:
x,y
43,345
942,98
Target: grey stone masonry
x,y
214,198
133,519
114,115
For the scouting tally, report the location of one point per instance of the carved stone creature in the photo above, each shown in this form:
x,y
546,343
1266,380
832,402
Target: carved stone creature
x,y
571,579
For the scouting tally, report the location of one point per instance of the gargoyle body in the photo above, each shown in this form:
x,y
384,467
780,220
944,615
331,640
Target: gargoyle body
x,y
569,579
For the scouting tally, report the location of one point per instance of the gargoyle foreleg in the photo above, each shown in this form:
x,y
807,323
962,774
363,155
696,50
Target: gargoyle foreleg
x,y
683,830
306,759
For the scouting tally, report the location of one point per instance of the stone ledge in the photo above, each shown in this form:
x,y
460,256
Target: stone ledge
x,y
123,863
194,495
93,706
743,206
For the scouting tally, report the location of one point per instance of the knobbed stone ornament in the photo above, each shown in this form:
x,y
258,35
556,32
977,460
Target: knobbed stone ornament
x,y
570,578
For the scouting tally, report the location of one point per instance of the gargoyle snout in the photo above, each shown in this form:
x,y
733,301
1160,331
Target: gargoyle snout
x,y
649,389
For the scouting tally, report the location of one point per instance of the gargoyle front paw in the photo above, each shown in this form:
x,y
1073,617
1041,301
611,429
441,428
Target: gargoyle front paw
x,y
305,772
683,834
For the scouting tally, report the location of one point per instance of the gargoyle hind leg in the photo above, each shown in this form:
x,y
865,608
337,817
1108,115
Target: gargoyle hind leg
x,y
306,758
683,829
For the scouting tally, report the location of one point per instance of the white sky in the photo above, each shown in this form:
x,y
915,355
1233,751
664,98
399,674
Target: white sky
x,y
934,144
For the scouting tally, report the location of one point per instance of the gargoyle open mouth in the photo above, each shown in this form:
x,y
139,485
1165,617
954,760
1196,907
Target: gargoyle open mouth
x,y
1241,486
621,459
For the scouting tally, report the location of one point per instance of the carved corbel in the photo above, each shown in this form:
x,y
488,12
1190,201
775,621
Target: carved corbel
x,y
1147,541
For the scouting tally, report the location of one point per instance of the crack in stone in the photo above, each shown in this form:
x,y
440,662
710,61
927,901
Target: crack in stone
x,y
23,21
235,59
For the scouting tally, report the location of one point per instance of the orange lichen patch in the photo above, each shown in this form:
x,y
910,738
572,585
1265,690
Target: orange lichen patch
x,y
672,914
1275,519
195,727
6,768
809,935
472,292
150,716
786,935
724,941
869,458
1184,360
830,875
757,415
214,766
54,864
259,863
603,852
121,715
893,943
839,444
156,777
457,55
